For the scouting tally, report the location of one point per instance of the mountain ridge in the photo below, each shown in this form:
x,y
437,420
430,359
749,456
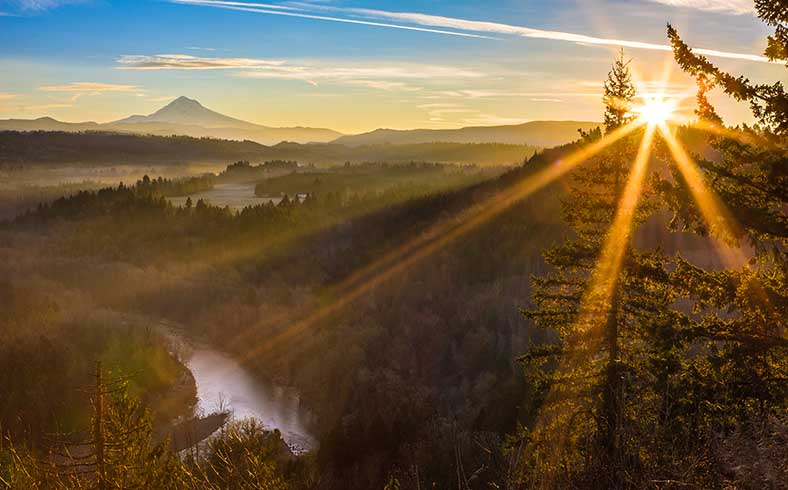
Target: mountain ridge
x,y
188,117
536,133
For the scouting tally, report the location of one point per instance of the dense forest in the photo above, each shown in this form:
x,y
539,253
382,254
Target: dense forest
x,y
609,314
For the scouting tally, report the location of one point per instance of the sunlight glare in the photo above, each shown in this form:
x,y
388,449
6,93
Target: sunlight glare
x,y
656,111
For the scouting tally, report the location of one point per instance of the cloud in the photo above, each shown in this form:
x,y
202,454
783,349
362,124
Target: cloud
x,y
729,6
384,85
89,87
31,6
7,96
381,77
188,62
388,77
493,120
163,98
32,108
546,99
459,27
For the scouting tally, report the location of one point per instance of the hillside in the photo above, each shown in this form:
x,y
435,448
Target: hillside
x,y
536,133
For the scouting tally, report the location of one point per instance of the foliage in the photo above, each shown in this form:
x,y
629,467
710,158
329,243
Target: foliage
x,y
241,457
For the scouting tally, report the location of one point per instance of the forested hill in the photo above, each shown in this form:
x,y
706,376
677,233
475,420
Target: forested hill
x,y
538,133
101,148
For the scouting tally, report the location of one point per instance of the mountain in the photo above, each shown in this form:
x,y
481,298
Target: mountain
x,y
185,117
536,133
188,112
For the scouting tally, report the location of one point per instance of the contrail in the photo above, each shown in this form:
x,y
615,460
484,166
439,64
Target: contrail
x,y
293,13
438,24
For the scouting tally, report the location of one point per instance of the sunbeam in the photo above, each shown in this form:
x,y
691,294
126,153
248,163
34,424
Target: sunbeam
x,y
606,273
719,220
584,345
436,238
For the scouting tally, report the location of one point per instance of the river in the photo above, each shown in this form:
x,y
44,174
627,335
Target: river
x,y
224,384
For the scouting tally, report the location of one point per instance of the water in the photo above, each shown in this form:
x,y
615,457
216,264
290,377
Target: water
x,y
224,384
236,196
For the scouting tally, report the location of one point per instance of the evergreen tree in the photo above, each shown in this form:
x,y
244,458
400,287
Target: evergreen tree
x,y
604,357
735,368
769,102
619,92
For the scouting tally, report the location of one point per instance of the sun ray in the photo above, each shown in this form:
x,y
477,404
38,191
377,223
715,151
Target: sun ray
x,y
585,344
605,276
438,237
720,130
718,218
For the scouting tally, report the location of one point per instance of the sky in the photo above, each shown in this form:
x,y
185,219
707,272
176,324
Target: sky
x,y
357,65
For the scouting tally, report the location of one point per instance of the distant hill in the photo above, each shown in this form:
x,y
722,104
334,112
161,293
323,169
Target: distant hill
x,y
538,133
45,124
108,149
183,116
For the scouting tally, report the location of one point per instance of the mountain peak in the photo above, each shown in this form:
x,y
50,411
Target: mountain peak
x,y
183,101
181,106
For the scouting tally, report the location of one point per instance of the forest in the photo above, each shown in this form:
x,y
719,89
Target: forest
x,y
605,314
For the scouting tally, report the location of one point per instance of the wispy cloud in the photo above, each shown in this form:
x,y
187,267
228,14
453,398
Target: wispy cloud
x,y
383,77
34,108
459,27
492,120
162,98
188,62
29,6
7,96
729,6
89,87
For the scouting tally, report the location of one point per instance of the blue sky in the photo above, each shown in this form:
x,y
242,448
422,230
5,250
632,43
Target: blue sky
x,y
356,65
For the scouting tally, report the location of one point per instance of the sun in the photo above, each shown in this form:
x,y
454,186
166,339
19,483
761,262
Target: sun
x,y
656,111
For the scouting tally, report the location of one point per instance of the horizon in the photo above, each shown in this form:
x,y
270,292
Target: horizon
x,y
357,66
382,128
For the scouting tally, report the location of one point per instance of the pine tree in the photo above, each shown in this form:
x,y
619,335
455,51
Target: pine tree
x,y
751,177
733,367
769,102
619,92
603,360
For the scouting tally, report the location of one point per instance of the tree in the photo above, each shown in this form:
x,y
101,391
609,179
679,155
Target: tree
x,y
740,364
619,92
769,103
602,357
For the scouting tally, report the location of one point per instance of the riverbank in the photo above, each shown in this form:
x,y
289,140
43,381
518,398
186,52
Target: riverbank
x,y
223,385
